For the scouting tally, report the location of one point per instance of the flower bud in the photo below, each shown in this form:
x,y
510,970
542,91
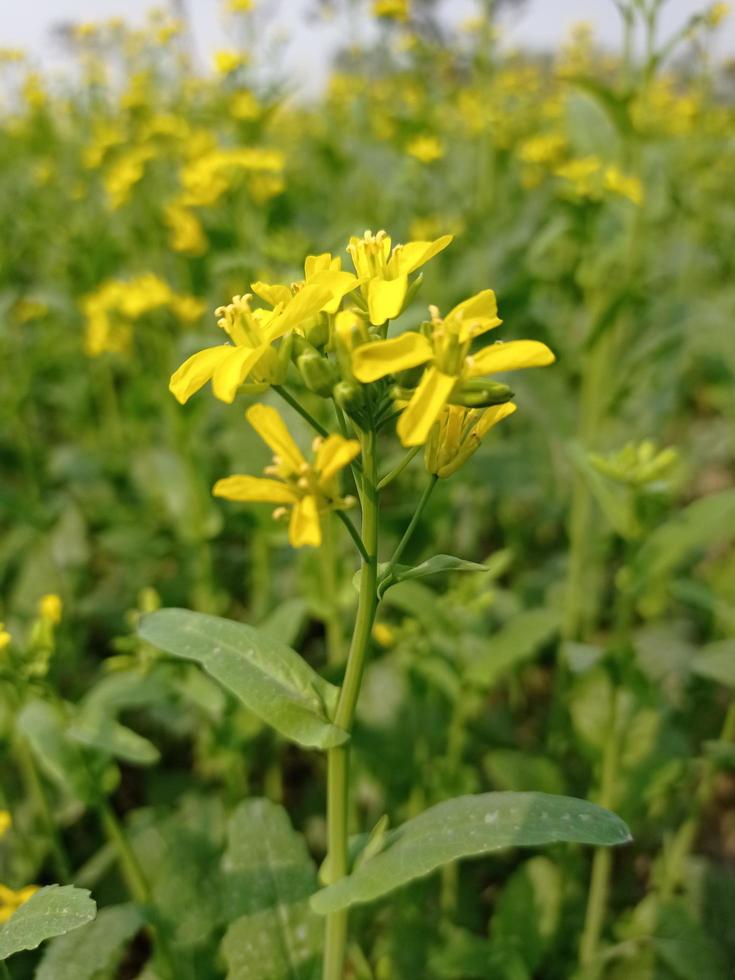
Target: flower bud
x,y
481,394
319,374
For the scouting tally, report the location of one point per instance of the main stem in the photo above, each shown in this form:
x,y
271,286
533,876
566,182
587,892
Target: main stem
x,y
338,759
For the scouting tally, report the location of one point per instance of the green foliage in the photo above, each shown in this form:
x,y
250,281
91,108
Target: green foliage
x,y
52,911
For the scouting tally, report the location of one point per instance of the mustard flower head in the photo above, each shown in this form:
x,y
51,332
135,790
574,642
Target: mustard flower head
x,y
307,489
458,433
443,348
6,822
50,608
11,901
5,637
384,271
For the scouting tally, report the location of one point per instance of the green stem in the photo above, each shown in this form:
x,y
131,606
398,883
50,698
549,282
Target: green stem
x,y
338,758
298,407
397,470
408,533
602,860
353,534
38,791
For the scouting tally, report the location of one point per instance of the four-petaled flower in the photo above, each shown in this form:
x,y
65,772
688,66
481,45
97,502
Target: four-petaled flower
x,y
253,332
384,273
444,348
308,489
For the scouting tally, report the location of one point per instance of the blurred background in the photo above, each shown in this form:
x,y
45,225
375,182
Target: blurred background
x,y
152,165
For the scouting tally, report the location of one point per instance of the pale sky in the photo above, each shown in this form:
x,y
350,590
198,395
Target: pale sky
x,y
539,23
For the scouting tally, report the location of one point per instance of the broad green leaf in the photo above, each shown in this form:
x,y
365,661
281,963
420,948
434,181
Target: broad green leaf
x,y
717,662
286,622
269,876
270,678
52,911
516,642
469,826
45,728
95,950
461,953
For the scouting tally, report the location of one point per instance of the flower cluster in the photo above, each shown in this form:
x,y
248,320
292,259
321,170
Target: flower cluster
x,y
329,333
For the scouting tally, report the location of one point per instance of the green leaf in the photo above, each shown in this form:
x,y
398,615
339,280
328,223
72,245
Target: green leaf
x,y
432,566
512,769
269,878
466,827
44,726
110,737
516,642
270,678
95,950
527,915
52,911
716,662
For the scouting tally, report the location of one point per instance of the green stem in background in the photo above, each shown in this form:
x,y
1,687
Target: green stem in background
x,y
684,840
298,407
36,788
397,470
338,759
602,859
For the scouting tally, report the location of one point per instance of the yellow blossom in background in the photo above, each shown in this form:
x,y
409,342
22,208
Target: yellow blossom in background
x,y
5,637
384,635
457,435
619,183
385,271
125,173
546,148
444,351
582,174
245,106
111,311
6,822
308,489
226,62
12,55
33,91
426,149
238,6
26,310
716,14
206,178
186,232
50,608
263,187
11,901
392,9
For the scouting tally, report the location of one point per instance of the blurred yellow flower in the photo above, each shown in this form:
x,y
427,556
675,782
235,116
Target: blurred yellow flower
x,y
205,178
619,183
426,149
187,234
385,272
444,350
5,637
50,608
245,106
226,62
238,6
125,173
308,489
716,14
392,9
384,635
6,822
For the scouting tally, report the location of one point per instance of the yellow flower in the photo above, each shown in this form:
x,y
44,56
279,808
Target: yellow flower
x,y
228,61
444,349
426,149
619,183
385,273
6,822
319,270
50,608
309,489
384,635
252,333
391,9
458,433
238,6
187,234
716,14
11,900
245,106
206,177
5,637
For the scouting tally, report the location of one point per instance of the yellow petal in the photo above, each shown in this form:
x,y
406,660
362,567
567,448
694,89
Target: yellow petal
x,y
321,263
491,417
333,454
375,360
425,407
304,527
196,371
413,255
233,370
338,283
272,430
385,298
509,356
254,489
476,315
273,294
306,303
